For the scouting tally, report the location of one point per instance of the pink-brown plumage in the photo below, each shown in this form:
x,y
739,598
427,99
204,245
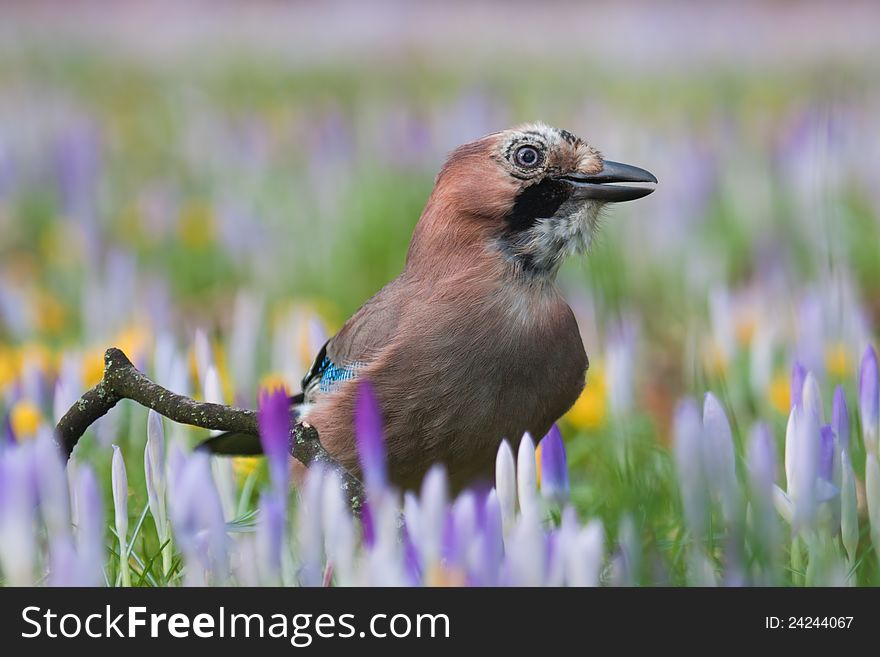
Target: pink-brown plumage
x,y
472,343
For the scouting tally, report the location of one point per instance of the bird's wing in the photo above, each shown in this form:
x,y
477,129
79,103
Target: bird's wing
x,y
355,346
358,342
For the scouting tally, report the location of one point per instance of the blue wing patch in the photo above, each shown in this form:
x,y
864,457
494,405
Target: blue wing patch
x,y
331,374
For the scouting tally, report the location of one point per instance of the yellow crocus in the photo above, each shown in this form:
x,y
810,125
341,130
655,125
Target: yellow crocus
x,y
590,411
837,360
779,392
25,418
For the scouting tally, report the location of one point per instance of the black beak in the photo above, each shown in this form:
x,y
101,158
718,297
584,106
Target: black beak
x,y
599,186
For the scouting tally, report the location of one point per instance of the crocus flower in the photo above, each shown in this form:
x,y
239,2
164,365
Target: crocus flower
x,y
584,558
273,419
719,461
309,524
840,418
244,340
489,549
370,441
554,469
385,565
461,528
621,365
826,452
52,487
687,436
338,530
869,402
154,474
197,520
505,484
270,537
120,506
761,461
811,398
433,507
802,454
90,529
525,560
798,374
18,547
526,474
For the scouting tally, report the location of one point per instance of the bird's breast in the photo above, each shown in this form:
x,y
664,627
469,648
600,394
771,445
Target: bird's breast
x,y
509,365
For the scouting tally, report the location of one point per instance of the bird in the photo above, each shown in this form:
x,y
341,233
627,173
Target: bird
x,y
473,342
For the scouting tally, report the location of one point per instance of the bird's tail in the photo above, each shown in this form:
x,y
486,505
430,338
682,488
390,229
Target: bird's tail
x,y
236,443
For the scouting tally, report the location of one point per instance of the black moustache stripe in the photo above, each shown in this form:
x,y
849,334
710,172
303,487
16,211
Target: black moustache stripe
x,y
535,202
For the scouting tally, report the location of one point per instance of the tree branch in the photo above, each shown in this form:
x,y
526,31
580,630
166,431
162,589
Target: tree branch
x,y
122,380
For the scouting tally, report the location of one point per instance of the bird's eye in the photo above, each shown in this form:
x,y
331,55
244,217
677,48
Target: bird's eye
x,y
527,156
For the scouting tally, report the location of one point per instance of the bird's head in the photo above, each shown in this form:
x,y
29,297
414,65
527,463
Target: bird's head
x,y
534,193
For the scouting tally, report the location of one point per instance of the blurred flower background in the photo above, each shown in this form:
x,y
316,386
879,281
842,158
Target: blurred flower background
x,y
214,187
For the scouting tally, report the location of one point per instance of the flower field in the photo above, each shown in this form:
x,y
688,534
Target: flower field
x,y
217,211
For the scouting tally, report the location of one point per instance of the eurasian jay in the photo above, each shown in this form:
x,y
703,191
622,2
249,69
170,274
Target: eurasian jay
x,y
473,342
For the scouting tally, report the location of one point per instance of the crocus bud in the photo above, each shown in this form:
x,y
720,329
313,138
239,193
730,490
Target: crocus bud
x,y
840,418
505,484
119,481
154,474
718,456
197,518
687,446
798,374
554,468
526,474
90,528
812,398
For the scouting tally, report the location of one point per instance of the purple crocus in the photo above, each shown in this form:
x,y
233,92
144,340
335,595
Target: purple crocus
x,y
52,490
869,400
826,453
90,530
798,375
18,545
840,418
368,526
554,467
197,519
687,444
370,441
490,543
273,419
761,462
719,461
7,435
